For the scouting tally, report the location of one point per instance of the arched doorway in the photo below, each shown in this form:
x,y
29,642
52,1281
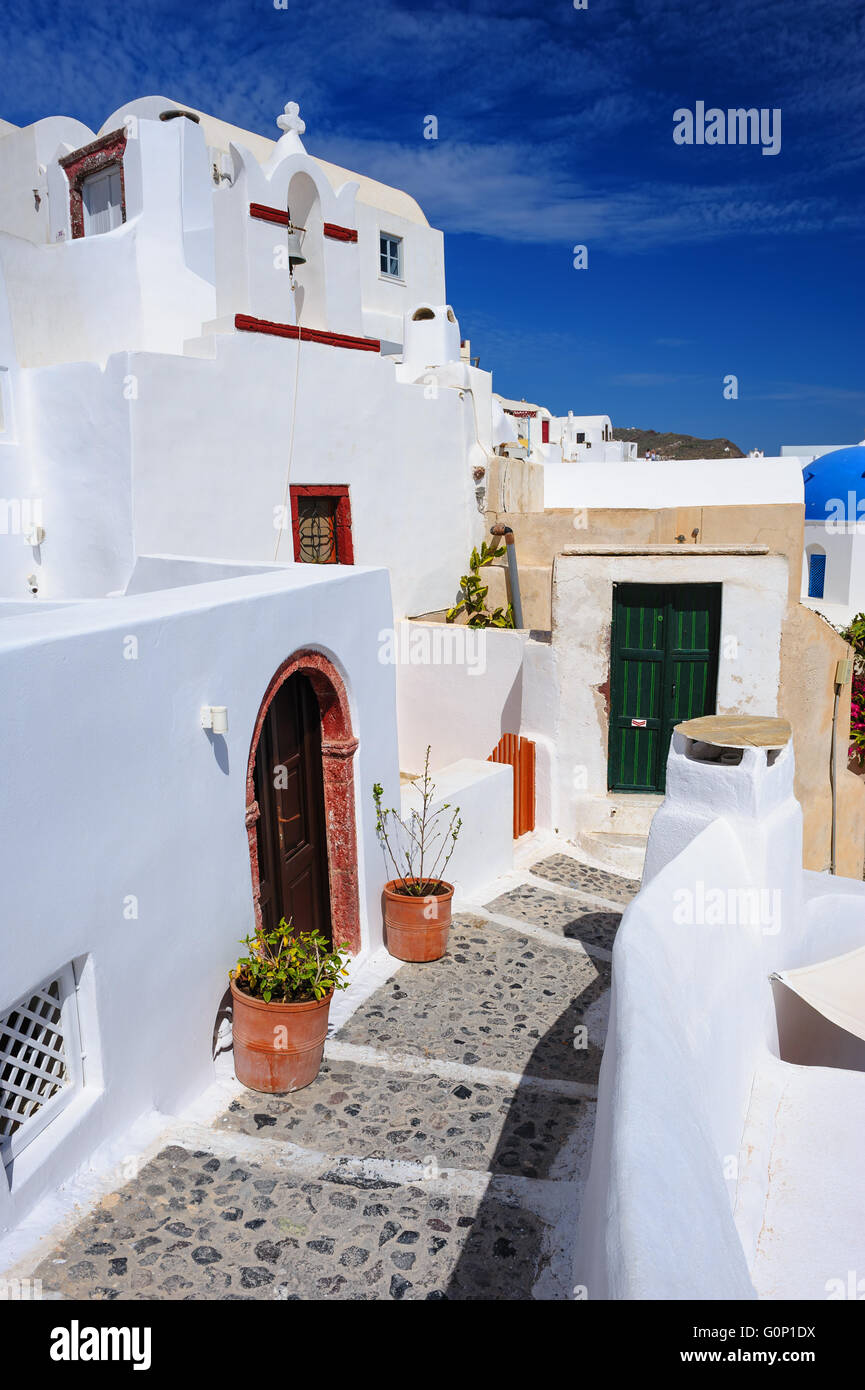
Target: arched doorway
x,y
300,802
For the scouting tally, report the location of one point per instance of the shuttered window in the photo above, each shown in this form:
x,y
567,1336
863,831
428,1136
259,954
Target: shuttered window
x,y
816,575
102,198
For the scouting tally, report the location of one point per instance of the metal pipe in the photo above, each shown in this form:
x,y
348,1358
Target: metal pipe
x,y
516,602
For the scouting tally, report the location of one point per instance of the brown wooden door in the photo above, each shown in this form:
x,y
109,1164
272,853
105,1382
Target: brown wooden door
x,y
292,841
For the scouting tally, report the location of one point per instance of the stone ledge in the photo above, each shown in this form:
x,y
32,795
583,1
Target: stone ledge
x,y
685,549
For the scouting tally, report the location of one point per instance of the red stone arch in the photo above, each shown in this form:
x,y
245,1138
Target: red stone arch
x,y
338,747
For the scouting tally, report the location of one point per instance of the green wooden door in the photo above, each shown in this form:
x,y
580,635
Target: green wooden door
x,y
663,669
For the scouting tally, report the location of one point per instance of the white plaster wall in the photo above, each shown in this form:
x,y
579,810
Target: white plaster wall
x,y
80,465
841,553
459,690
685,1149
385,301
24,159
690,483
156,809
153,572
147,284
17,498
753,603
484,794
211,451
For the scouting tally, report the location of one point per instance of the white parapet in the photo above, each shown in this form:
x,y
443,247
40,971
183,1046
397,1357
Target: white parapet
x,y
689,1155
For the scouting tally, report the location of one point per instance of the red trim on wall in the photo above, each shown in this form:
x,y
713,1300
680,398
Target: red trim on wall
x,y
248,324
266,214
338,747
344,542
337,233
521,414
92,159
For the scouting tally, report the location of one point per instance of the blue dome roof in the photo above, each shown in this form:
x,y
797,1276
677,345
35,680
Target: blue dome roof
x,y
828,480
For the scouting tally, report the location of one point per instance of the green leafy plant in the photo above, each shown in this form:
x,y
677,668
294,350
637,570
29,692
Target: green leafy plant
x,y
418,848
474,592
290,967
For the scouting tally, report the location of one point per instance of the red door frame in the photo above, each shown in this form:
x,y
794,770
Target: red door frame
x,y
338,747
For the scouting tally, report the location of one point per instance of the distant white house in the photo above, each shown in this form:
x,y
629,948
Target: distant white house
x,y
548,438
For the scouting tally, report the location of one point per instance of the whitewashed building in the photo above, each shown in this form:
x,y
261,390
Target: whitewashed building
x,y
833,567
239,441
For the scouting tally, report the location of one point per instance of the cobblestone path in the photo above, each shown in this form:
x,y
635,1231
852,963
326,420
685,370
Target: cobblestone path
x,y
439,1154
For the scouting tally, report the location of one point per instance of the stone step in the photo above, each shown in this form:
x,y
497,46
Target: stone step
x,y
497,999
587,878
620,853
574,916
377,1112
232,1226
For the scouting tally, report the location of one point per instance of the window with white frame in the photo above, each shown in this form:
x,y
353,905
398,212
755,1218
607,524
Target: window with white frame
x,y
390,255
102,200
40,1060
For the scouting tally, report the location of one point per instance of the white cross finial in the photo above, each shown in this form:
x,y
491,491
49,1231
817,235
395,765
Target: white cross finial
x,y
291,120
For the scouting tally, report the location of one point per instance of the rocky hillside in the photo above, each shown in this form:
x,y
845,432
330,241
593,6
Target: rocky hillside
x,y
679,446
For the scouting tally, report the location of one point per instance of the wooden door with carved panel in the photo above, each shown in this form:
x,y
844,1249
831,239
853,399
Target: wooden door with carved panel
x,y
292,831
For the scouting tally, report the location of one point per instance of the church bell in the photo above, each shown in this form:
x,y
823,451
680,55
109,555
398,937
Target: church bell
x,y
295,243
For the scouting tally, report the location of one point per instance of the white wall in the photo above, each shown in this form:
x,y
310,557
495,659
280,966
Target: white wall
x,y
686,1152
690,483
484,795
211,458
111,789
25,155
385,301
460,689
838,546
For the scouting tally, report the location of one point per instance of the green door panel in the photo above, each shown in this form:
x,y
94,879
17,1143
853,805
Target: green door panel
x,y
663,669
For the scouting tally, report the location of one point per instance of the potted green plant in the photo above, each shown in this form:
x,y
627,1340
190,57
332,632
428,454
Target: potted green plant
x,y
417,900
281,995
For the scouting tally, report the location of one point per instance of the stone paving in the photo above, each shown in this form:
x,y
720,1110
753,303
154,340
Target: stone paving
x,y
438,1155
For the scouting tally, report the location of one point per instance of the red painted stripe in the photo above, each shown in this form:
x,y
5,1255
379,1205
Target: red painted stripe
x,y
332,229
266,214
312,335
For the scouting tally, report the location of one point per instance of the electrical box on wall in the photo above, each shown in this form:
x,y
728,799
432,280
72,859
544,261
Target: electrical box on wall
x,y
843,672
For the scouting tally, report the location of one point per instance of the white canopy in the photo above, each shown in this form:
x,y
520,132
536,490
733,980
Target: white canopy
x,y
835,988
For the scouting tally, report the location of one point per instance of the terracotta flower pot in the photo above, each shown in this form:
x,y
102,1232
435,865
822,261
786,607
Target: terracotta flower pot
x,y
416,928
277,1047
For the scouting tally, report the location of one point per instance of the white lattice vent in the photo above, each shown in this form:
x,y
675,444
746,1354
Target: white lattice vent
x,y
40,1060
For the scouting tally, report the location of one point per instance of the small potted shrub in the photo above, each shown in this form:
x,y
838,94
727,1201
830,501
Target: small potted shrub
x,y
417,900
281,995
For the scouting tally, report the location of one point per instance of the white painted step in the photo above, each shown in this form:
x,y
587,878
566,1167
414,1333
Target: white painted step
x,y
621,853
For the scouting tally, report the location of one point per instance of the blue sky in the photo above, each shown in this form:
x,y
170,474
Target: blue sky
x,y
555,129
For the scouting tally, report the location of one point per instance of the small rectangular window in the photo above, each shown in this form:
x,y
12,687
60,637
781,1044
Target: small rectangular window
x,y
321,523
390,255
545,431
102,198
